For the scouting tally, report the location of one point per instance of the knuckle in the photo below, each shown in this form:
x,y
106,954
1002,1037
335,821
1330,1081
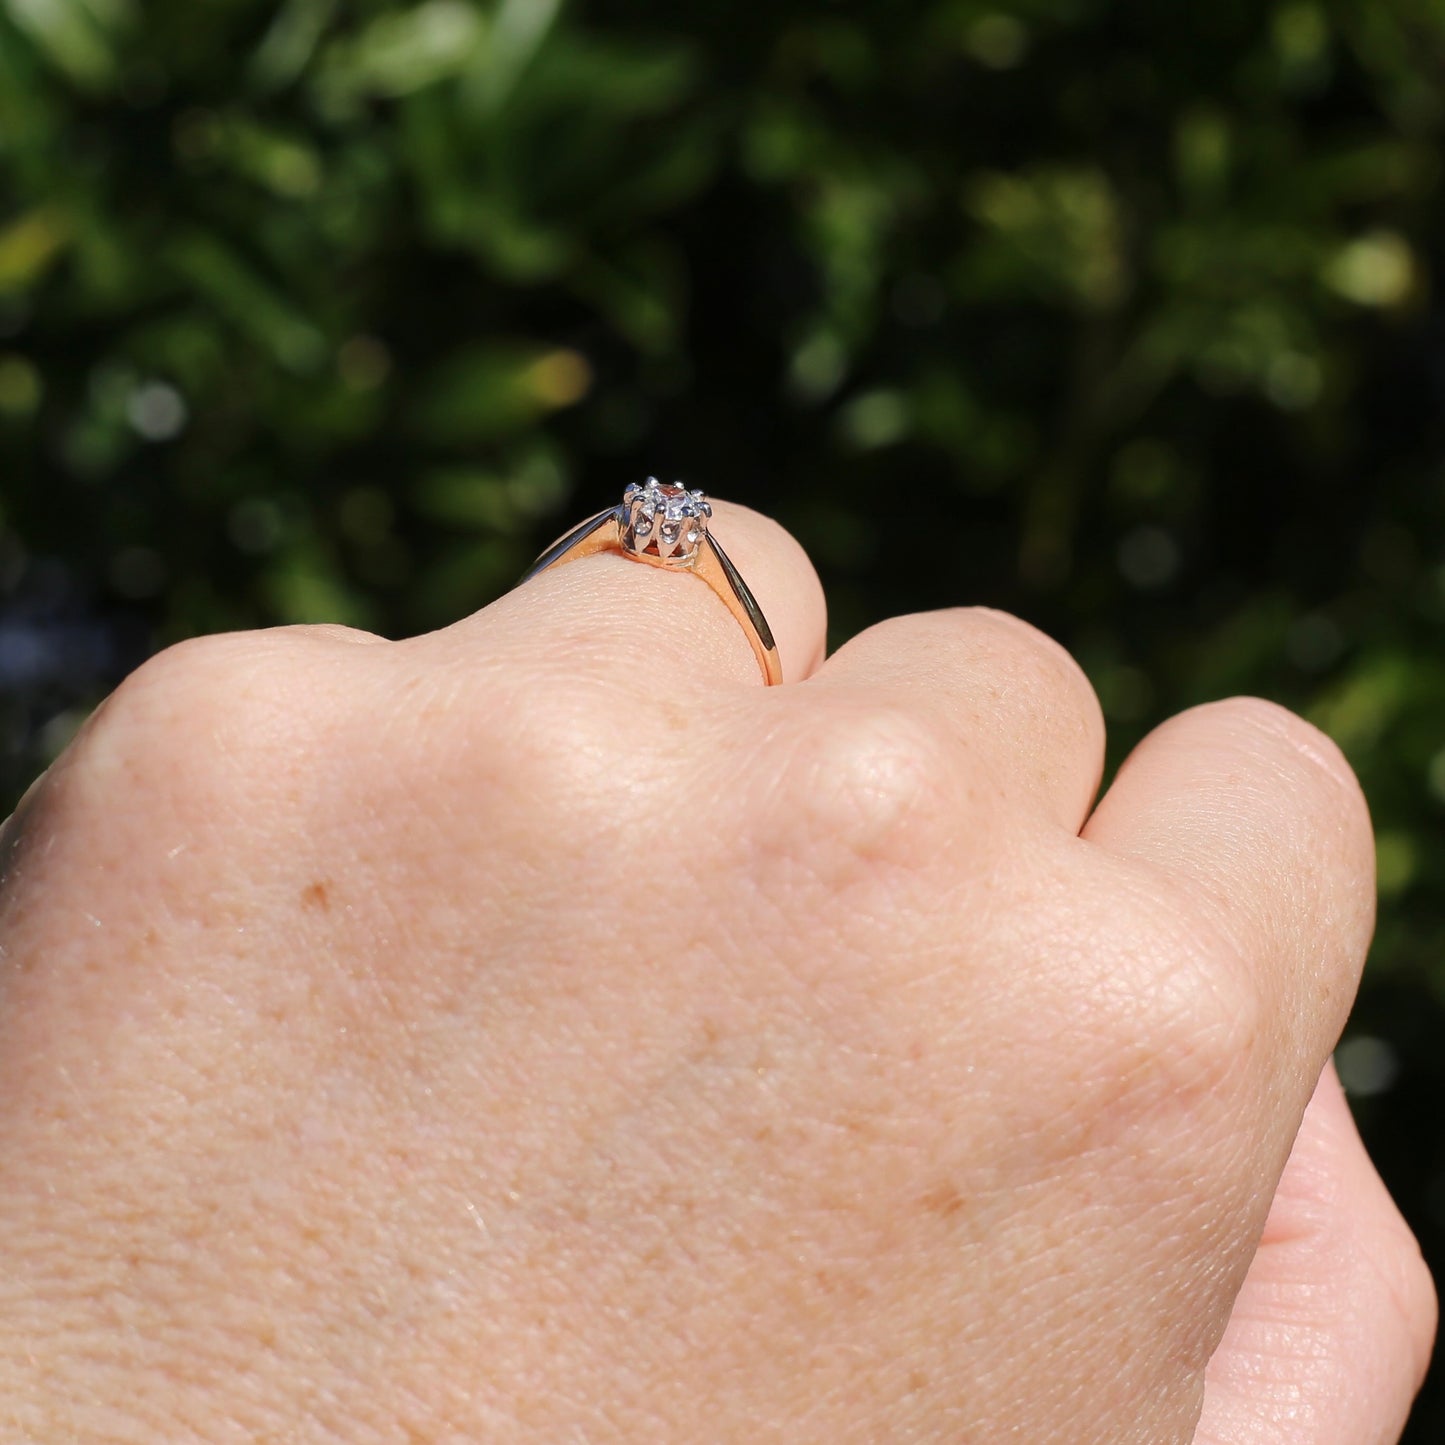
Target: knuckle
x,y
1200,1024
153,706
203,716
863,788
1017,633
1261,715
557,744
325,634
1301,752
1039,660
1293,778
1170,1021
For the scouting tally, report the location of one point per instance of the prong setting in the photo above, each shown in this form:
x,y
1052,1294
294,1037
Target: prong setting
x,y
663,523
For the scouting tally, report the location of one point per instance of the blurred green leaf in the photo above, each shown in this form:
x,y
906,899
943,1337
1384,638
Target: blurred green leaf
x,y
290,42
519,29
1053,232
28,246
78,37
225,281
491,391
401,51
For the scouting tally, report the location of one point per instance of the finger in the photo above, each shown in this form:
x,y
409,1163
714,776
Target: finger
x,y
1332,1332
663,628
1008,695
1253,824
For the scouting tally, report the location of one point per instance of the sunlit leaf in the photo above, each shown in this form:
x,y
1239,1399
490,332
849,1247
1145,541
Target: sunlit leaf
x,y
29,245
75,36
491,391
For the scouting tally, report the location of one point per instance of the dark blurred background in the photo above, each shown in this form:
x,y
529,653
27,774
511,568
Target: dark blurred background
x,y
1129,310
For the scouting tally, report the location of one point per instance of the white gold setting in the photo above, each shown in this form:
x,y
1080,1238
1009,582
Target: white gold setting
x,y
663,523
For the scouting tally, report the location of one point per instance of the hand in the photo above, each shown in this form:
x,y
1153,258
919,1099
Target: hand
x,y
539,1031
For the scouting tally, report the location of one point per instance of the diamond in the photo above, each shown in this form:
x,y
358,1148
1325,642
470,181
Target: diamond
x,y
663,523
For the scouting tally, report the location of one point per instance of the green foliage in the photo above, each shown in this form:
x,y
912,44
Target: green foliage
x,y
323,311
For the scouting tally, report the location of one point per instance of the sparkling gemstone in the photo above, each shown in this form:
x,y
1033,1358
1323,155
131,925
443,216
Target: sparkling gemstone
x,y
663,523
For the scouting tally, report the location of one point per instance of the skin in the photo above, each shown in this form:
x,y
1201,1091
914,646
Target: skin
x,y
540,1031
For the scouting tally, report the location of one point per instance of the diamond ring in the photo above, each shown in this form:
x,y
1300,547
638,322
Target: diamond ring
x,y
667,526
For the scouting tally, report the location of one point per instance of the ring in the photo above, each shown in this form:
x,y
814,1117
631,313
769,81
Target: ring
x,y
666,526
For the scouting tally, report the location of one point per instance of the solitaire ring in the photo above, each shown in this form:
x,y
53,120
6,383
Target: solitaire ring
x,y
667,526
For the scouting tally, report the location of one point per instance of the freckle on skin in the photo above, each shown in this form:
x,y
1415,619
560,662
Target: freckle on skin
x,y
944,1200
316,895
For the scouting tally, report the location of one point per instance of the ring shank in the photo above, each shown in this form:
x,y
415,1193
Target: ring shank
x,y
711,564
716,569
583,540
